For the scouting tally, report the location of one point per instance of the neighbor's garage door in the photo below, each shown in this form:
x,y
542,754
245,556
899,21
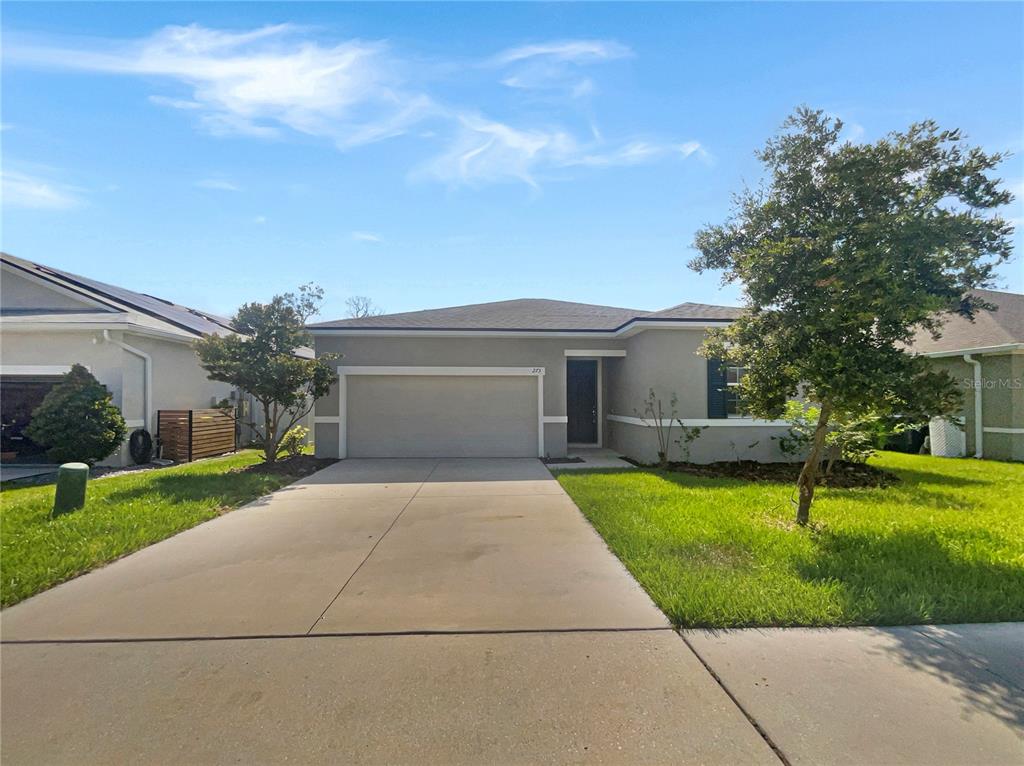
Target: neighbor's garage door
x,y
442,416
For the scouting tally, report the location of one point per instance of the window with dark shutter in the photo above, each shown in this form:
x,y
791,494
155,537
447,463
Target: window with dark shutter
x,y
733,401
718,390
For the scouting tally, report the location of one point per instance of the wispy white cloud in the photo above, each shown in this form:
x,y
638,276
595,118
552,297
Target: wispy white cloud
x,y
276,80
217,184
575,51
26,191
259,220
175,103
554,66
486,151
366,236
638,153
262,81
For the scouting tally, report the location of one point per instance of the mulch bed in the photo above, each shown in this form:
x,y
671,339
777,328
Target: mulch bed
x,y
302,465
561,460
844,474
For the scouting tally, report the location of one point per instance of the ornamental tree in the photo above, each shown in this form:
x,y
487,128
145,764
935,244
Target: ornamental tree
x,y
262,359
843,253
77,420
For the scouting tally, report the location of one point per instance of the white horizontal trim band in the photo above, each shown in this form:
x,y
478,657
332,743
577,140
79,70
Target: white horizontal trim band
x,y
700,422
8,326
326,419
135,423
595,352
35,369
556,418
999,430
439,371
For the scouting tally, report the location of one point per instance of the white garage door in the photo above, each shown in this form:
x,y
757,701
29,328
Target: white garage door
x,y
441,416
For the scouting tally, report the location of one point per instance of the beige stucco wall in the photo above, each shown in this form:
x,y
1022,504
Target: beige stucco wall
x,y
1002,401
178,380
548,353
663,359
668,362
720,442
18,293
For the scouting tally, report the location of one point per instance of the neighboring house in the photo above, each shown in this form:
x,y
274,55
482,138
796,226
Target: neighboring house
x,y
528,378
986,357
138,346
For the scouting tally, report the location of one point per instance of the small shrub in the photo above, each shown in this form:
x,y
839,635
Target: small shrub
x,y
853,438
294,441
655,413
689,436
77,421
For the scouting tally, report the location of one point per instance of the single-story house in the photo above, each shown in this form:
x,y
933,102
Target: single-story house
x,y
138,346
529,378
986,357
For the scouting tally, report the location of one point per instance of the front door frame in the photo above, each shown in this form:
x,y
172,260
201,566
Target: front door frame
x,y
599,384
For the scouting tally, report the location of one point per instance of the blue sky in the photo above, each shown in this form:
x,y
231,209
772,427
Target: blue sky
x,y
431,155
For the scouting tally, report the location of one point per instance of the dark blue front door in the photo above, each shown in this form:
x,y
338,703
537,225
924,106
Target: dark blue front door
x,y
581,400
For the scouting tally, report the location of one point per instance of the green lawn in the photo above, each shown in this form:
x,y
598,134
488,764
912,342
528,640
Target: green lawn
x,y
122,514
945,545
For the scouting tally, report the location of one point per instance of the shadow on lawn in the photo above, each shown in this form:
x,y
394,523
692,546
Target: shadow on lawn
x,y
914,576
224,488
916,476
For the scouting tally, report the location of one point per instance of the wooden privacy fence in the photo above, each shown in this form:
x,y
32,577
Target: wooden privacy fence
x,y
187,435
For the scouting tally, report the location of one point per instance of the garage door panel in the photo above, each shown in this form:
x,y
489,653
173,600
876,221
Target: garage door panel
x,y
441,416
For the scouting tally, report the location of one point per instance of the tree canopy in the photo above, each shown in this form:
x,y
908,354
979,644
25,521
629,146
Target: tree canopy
x,y
844,252
264,360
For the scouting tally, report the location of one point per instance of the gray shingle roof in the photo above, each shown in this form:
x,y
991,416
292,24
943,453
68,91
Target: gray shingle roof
x,y
529,315
697,311
183,317
989,328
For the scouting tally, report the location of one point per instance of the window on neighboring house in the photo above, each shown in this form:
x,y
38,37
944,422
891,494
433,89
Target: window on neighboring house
x,y
733,404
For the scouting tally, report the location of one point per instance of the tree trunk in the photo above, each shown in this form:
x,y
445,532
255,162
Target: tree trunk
x,y
833,455
809,473
269,442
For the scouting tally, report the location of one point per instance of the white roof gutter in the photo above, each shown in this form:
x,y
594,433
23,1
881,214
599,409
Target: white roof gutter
x,y
1005,348
979,430
625,331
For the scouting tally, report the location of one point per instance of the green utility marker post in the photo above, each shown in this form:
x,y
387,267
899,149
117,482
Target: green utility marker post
x,y
71,479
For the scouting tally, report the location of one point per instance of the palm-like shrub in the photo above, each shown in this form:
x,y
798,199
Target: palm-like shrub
x,y
77,421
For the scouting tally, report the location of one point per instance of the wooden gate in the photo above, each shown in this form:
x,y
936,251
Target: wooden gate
x,y
187,435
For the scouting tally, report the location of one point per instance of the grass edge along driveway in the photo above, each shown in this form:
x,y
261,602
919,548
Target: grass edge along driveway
x,y
945,545
122,514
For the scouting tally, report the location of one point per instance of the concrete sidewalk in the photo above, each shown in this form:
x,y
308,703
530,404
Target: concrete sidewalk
x,y
951,694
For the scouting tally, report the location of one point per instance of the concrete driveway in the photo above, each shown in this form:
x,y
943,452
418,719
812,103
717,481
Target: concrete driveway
x,y
379,611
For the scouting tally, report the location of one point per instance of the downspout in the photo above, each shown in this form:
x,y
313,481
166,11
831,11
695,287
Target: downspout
x,y
978,429
147,379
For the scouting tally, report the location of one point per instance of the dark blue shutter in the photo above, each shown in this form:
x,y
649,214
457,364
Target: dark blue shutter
x,y
717,389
